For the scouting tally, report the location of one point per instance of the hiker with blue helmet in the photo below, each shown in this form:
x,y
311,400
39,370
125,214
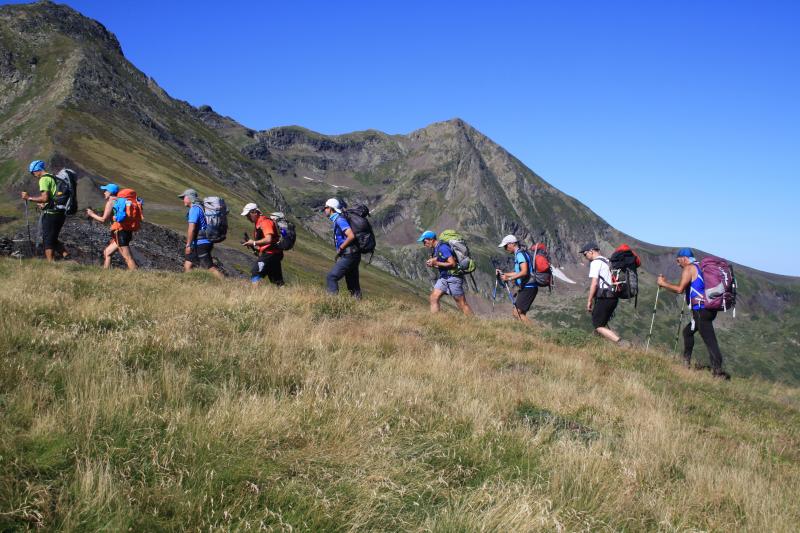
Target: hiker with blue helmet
x,y
52,219
197,251
120,239
348,255
521,276
444,259
692,285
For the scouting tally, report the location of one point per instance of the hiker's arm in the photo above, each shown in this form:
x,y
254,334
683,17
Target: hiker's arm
x,y
511,276
349,238
106,213
450,262
592,292
266,240
190,236
683,284
41,199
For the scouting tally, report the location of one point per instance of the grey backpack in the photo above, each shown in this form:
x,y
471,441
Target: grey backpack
x,y
216,213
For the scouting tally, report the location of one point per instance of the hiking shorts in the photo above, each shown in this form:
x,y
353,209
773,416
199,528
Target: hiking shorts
x,y
200,256
51,227
453,285
268,266
603,311
525,298
122,237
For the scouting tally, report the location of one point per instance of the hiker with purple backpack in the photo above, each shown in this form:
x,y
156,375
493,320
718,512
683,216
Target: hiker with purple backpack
x,y
709,286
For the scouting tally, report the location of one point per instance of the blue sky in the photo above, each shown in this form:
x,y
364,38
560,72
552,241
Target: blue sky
x,y
678,122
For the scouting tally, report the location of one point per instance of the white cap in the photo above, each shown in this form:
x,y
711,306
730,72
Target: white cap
x,y
334,204
508,239
249,207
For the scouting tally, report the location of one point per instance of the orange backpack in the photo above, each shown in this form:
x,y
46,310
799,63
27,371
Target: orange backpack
x,y
128,214
542,271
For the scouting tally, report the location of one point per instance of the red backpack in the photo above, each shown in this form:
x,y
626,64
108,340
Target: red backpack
x,y
128,214
542,271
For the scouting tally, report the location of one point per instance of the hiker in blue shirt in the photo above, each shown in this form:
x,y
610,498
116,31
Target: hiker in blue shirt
x,y
198,248
522,278
443,258
348,256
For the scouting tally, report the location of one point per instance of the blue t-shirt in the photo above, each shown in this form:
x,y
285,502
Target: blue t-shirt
x,y
195,215
340,224
519,258
443,252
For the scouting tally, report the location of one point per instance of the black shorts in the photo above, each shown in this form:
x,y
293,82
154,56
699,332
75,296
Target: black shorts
x,y
603,311
268,266
51,227
525,298
122,237
200,256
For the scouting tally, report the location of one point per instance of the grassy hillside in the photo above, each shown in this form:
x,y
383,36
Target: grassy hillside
x,y
150,401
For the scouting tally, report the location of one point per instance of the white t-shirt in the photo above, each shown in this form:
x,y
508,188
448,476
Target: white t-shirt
x,y
598,268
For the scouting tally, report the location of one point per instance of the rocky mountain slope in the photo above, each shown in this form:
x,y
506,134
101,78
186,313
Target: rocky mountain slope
x,y
67,94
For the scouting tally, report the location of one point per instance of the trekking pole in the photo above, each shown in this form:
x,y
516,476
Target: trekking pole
x,y
91,237
28,224
474,284
508,291
652,320
494,292
680,323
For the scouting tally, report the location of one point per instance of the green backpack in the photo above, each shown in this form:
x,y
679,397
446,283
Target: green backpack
x,y
456,241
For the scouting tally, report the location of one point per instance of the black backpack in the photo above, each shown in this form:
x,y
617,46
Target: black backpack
x,y
624,264
357,218
66,199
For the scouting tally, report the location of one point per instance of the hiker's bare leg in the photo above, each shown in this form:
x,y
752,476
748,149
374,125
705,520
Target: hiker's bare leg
x,y
522,317
187,266
108,252
461,302
435,296
217,273
125,251
49,254
608,334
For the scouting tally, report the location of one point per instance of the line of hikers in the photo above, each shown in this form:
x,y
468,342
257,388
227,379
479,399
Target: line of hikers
x,y
709,285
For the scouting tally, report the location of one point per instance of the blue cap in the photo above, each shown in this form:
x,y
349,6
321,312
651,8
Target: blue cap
x,y
113,188
685,252
35,166
426,235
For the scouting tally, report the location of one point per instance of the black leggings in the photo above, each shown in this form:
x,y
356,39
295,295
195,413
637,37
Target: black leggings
x,y
703,322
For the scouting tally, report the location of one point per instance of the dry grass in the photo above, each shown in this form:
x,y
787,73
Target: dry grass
x,y
159,401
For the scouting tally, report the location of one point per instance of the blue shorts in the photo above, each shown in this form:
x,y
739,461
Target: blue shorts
x,y
454,286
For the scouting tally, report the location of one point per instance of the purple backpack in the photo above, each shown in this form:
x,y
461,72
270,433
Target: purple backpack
x,y
720,284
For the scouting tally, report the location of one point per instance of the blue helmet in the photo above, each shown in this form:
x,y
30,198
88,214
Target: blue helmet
x,y
113,188
35,166
426,235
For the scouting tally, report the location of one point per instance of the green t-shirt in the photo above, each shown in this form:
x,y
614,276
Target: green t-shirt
x,y
48,183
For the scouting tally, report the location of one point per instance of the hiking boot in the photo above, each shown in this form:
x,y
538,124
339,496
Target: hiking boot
x,y
721,374
624,344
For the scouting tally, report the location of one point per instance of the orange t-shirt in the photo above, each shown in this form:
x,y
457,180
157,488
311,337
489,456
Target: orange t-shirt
x,y
264,226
